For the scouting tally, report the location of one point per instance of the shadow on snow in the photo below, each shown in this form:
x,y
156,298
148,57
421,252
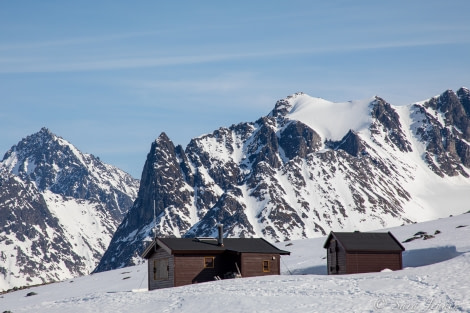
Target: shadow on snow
x,y
427,256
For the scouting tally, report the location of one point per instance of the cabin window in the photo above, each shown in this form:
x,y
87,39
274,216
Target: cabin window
x,y
266,267
209,262
161,269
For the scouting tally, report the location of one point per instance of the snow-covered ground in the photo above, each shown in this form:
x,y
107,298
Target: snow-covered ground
x,y
436,279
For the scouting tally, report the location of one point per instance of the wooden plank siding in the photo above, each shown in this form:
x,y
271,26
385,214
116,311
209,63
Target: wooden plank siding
x,y
152,282
252,264
336,258
189,269
342,260
174,262
350,253
372,262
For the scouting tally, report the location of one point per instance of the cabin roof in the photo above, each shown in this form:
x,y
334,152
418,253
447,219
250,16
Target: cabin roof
x,y
366,242
209,245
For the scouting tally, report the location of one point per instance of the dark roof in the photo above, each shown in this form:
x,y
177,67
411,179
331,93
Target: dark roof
x,y
206,245
358,241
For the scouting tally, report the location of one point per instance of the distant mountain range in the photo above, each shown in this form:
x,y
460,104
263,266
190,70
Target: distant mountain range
x,y
59,209
308,167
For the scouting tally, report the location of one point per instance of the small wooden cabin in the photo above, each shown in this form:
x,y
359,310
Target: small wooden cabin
x,y
176,262
357,252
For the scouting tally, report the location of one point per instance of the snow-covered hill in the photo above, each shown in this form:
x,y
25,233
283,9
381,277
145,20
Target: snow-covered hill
x,y
59,209
435,280
308,167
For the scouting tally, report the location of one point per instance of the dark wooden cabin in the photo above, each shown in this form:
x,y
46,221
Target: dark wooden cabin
x,y
357,252
176,262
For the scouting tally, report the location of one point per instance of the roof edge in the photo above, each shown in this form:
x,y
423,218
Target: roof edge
x,y
396,240
332,234
281,252
147,250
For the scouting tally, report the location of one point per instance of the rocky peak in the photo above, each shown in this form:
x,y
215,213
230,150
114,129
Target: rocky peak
x,y
455,112
161,169
163,187
446,131
40,157
283,106
389,124
265,147
54,164
297,139
464,97
58,209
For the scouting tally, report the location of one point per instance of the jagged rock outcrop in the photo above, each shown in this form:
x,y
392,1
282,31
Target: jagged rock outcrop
x,y
445,128
163,187
389,121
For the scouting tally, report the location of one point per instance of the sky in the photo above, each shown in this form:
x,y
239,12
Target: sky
x,y
110,76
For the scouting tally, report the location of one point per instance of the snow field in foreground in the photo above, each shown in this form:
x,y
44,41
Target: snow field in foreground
x,y
438,283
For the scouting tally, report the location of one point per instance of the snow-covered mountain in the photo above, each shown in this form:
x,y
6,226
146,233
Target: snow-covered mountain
x,y
433,280
308,167
59,209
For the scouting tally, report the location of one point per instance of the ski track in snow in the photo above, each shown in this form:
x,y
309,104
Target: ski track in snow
x,y
432,287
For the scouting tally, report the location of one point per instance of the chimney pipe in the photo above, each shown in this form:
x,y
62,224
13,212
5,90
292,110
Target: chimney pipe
x,y
220,240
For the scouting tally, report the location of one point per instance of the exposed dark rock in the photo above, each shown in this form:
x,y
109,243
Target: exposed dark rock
x,y
163,186
390,124
351,143
447,150
298,140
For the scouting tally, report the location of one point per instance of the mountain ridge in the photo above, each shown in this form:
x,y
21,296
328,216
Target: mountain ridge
x,y
291,174
58,210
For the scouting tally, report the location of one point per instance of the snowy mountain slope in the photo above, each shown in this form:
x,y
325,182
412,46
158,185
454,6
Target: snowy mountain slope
x,y
433,284
308,167
58,208
54,164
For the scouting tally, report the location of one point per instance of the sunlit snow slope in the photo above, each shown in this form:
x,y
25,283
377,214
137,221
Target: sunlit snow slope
x,y
434,280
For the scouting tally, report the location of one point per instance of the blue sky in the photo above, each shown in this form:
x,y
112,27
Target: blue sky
x,y
110,76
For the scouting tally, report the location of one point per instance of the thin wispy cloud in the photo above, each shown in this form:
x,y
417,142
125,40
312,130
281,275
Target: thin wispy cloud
x,y
33,45
104,63
188,69
226,83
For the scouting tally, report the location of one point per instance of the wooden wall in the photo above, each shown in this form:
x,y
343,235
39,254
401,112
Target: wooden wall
x,y
341,262
336,258
156,284
372,262
252,264
189,269
185,269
